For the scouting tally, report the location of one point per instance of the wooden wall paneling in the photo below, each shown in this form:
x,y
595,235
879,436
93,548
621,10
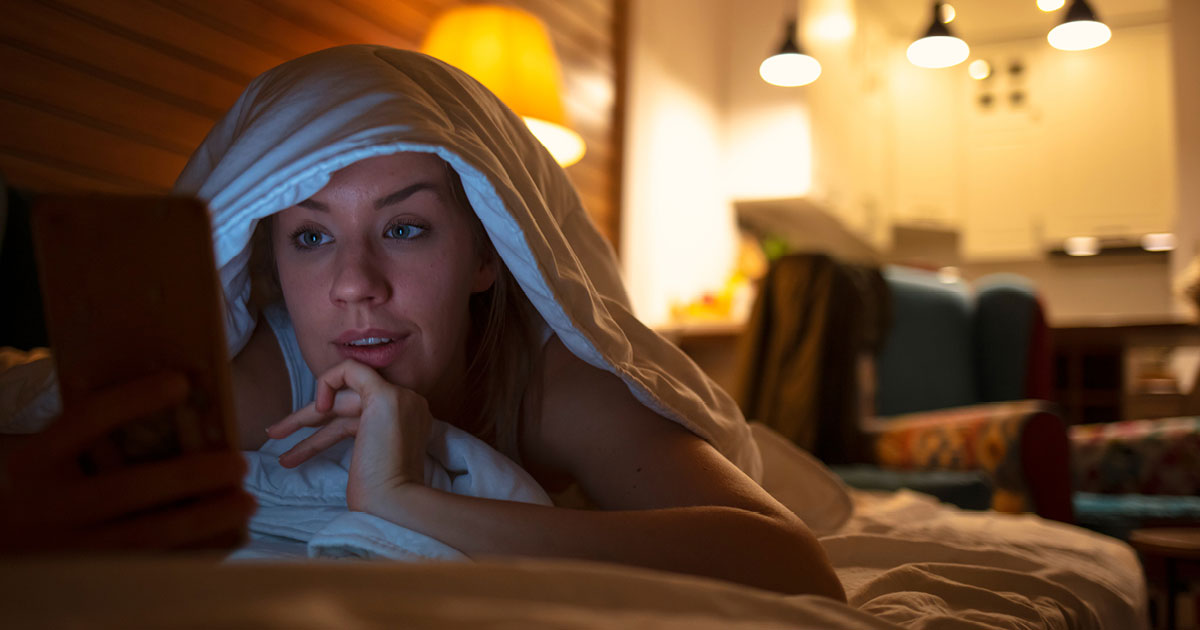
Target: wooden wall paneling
x,y
87,149
409,21
42,173
582,32
177,35
255,24
616,138
115,95
336,22
84,96
65,38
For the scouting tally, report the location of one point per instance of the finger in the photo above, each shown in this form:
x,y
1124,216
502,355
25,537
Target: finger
x,y
334,432
104,497
348,374
308,416
347,403
189,525
104,411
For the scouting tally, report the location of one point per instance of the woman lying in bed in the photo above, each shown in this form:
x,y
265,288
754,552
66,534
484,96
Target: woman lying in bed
x,y
433,262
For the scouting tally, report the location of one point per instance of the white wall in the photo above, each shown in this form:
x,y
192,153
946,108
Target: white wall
x,y
851,113
768,143
881,142
677,230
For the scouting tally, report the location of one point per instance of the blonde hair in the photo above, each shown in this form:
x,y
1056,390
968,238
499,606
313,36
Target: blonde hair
x,y
499,389
502,345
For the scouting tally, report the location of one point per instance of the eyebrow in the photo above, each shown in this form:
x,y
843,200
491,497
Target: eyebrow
x,y
394,198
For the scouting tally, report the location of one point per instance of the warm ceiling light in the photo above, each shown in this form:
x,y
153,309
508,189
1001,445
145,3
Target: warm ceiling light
x,y
1080,29
1082,246
1161,242
1050,5
948,13
509,51
789,67
938,48
979,69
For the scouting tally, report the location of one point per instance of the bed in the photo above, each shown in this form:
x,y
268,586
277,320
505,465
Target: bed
x,y
906,561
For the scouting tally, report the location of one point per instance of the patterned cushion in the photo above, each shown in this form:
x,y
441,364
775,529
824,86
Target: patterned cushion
x,y
1159,456
979,437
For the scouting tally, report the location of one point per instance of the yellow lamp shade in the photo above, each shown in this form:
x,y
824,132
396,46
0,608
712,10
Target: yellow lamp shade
x,y
509,52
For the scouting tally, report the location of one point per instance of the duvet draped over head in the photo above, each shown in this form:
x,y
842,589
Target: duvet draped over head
x,y
298,123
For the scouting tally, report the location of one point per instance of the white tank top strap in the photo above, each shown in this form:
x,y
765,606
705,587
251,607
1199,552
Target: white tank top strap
x,y
304,384
545,331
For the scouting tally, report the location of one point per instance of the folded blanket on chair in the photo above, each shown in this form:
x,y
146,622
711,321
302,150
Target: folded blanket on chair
x,y
302,512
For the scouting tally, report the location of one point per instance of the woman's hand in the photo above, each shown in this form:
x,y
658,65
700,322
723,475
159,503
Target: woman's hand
x,y
49,504
390,424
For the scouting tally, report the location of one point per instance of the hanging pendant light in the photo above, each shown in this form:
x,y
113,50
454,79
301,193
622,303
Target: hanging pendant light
x,y
1080,29
790,67
938,48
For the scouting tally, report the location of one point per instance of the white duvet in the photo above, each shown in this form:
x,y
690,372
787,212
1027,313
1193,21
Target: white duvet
x,y
904,559
298,123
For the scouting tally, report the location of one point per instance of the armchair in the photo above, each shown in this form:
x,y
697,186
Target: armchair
x,y
1137,473
962,381
918,416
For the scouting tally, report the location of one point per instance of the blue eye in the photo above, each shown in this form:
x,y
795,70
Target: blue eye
x,y
307,238
404,231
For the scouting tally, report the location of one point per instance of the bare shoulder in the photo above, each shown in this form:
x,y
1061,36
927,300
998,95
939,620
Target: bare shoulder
x,y
580,402
261,388
622,453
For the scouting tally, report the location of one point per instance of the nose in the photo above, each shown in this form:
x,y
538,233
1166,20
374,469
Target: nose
x,y
359,277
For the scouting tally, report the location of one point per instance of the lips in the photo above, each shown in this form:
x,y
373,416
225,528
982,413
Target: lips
x,y
374,347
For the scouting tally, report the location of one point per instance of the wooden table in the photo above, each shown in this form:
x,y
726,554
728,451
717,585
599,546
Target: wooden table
x,y
1178,549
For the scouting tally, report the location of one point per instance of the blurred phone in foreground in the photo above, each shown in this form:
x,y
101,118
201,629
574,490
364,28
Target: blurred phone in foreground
x,y
130,288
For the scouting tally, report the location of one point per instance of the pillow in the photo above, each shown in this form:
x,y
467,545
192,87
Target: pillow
x,y
801,482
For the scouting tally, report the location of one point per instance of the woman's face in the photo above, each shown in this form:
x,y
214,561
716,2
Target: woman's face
x,y
378,267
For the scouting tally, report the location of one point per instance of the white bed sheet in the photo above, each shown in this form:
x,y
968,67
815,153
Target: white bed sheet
x,y
906,558
191,593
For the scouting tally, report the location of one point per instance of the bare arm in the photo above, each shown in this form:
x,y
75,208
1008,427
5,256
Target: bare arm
x,y
668,500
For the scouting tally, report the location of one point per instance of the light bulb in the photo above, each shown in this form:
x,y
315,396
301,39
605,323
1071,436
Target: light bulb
x,y
1082,246
790,69
1050,5
979,69
1160,242
1079,35
938,51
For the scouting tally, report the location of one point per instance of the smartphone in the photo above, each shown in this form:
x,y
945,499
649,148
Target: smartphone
x,y
129,287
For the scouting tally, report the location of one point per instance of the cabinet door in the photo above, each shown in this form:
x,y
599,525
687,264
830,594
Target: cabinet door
x,y
1005,170
1109,117
928,130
